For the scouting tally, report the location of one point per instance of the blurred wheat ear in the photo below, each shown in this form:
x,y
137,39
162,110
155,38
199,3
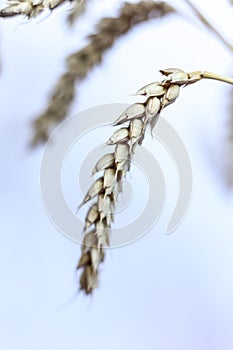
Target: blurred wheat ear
x,y
29,8
80,63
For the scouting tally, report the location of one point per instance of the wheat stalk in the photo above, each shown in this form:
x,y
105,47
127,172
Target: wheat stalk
x,y
208,25
80,63
115,165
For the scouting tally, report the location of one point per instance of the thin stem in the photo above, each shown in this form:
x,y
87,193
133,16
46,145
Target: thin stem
x,y
209,75
209,25
198,75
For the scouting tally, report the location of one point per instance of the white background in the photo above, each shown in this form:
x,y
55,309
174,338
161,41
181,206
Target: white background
x,y
162,292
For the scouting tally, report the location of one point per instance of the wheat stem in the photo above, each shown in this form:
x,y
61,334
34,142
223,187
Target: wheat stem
x,y
209,25
210,75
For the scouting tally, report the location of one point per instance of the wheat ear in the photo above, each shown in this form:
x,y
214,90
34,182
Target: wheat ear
x,y
115,165
29,8
80,63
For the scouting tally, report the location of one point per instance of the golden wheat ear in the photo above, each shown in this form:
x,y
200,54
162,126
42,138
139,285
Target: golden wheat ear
x,y
115,165
81,62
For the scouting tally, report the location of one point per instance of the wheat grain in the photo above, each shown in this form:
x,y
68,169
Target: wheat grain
x,y
80,63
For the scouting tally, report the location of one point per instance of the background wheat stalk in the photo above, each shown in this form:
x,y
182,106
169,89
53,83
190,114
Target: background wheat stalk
x,y
80,63
209,25
115,165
